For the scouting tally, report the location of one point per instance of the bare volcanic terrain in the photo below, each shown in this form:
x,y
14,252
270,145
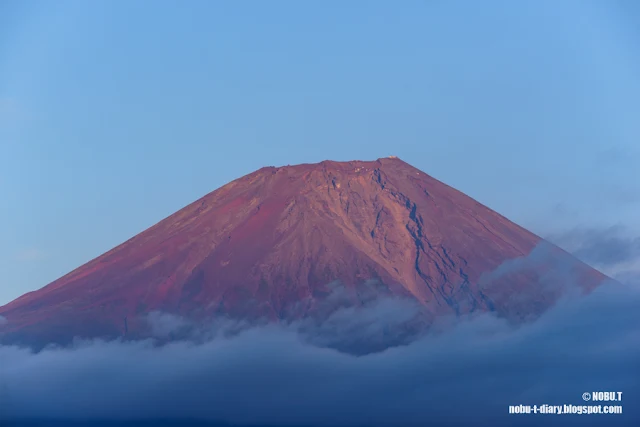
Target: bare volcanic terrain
x,y
272,243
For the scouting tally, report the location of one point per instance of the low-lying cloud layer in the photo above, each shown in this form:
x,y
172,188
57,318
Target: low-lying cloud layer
x,y
327,369
277,375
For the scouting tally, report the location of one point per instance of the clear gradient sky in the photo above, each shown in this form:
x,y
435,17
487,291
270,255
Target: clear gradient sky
x,y
115,114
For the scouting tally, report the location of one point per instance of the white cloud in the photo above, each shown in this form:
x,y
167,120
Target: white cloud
x,y
277,375
164,324
29,255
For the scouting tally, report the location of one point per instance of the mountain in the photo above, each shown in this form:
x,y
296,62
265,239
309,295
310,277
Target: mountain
x,y
273,243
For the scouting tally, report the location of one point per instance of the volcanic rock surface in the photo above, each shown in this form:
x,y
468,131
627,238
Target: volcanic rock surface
x,y
272,243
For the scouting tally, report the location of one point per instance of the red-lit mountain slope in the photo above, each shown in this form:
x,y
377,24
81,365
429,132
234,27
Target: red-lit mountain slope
x,y
265,242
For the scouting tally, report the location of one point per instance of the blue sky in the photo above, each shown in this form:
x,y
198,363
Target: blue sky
x,y
115,114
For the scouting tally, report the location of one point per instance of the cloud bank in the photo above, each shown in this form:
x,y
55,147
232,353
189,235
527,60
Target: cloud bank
x,y
281,375
614,250
328,368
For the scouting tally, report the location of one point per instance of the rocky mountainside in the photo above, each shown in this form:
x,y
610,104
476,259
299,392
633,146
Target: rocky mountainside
x,y
272,243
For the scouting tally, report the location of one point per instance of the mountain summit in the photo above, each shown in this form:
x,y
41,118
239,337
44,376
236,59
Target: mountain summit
x,y
273,242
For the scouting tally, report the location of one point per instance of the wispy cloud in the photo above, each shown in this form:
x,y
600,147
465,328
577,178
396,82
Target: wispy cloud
x,y
165,325
30,254
614,250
